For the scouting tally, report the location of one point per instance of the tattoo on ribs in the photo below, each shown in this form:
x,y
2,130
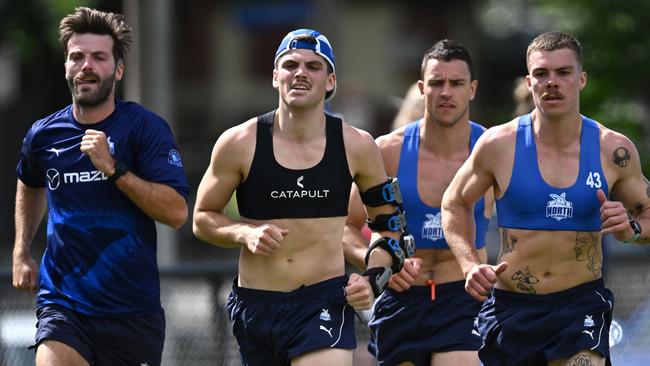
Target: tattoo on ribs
x,y
621,157
525,280
588,250
508,242
580,360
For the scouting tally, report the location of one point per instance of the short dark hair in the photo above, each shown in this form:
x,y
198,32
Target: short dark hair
x,y
551,41
447,50
87,20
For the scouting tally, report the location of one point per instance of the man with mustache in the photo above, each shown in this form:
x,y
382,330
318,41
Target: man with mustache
x,y
107,170
552,172
292,169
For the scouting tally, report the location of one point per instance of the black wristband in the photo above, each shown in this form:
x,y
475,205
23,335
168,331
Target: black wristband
x,y
120,170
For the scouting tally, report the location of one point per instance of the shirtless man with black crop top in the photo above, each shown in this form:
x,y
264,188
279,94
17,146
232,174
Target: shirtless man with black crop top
x,y
292,170
552,172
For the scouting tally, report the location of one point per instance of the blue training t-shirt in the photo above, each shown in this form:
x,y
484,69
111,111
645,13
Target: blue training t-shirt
x,y
101,248
424,221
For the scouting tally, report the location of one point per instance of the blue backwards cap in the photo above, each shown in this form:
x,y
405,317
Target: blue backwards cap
x,y
322,48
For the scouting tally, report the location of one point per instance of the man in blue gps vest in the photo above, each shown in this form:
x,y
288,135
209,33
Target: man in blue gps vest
x,y
431,321
552,171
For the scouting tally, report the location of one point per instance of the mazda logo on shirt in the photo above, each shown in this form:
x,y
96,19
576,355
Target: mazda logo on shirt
x,y
53,178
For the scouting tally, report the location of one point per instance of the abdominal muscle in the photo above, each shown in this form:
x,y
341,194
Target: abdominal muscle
x,y
542,262
440,266
312,252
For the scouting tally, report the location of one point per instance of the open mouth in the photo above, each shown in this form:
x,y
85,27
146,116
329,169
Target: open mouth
x,y
301,87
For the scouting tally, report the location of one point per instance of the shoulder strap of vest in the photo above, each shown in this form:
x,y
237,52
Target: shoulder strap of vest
x,y
266,118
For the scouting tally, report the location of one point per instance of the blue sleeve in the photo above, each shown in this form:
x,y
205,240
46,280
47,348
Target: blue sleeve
x,y
158,158
29,170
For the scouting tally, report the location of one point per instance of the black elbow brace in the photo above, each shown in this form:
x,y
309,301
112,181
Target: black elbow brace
x,y
399,250
387,193
389,222
378,278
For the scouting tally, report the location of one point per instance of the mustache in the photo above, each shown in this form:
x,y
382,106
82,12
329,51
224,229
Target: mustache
x,y
555,94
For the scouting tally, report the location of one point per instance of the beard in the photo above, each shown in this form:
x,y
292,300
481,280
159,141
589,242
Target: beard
x,y
91,99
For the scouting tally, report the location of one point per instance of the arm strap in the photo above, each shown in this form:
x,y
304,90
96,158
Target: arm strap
x,y
378,278
387,193
388,222
399,250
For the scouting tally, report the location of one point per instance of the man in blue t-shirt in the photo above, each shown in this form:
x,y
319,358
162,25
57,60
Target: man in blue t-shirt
x,y
106,169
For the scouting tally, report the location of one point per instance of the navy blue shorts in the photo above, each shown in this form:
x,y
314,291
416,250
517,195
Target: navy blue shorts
x,y
408,326
531,330
104,341
273,327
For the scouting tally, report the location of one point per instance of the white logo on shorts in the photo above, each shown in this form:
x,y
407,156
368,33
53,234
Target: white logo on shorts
x,y
325,315
589,332
589,321
329,331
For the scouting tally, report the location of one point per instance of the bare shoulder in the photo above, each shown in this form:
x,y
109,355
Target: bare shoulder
x,y
357,141
617,150
236,142
497,140
500,133
239,133
364,159
392,140
610,141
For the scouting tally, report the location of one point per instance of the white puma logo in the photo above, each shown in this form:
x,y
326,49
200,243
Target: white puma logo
x,y
329,331
589,332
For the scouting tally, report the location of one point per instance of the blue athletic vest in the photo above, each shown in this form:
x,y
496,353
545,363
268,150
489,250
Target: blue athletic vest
x,y
272,191
530,203
101,248
423,220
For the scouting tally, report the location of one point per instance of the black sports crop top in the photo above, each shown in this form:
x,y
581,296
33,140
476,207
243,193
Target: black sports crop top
x,y
272,191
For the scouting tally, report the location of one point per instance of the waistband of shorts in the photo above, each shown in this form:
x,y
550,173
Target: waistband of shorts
x,y
580,290
420,291
316,290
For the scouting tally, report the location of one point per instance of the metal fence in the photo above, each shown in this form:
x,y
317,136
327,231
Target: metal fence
x,y
198,331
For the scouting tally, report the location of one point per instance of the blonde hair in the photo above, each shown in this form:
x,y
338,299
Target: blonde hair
x,y
412,107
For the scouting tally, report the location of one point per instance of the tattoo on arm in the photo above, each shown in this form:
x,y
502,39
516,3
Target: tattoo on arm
x,y
638,208
580,360
621,157
588,250
525,280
